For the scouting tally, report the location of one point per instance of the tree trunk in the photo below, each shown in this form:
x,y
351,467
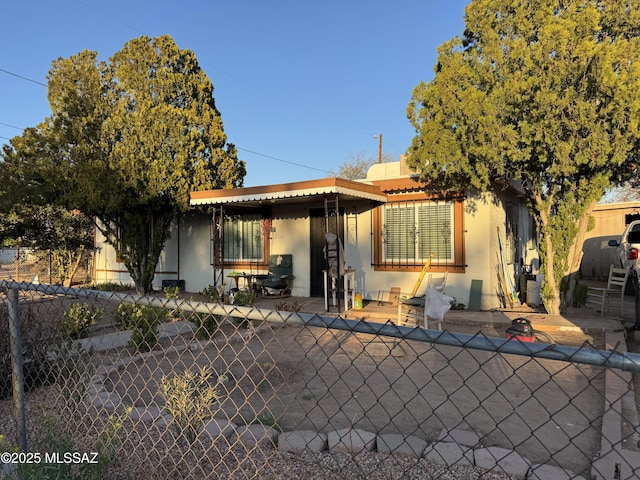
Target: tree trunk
x,y
575,256
551,289
73,268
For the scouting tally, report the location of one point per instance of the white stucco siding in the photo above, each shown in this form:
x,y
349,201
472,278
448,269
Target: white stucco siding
x,y
195,252
481,217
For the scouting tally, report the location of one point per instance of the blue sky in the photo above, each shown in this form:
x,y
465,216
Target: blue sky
x,y
307,83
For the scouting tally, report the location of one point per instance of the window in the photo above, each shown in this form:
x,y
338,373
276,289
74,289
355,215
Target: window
x,y
413,231
242,238
410,231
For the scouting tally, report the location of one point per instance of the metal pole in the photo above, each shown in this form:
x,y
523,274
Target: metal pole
x,y
17,368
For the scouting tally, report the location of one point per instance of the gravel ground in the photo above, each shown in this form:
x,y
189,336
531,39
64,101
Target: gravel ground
x,y
152,452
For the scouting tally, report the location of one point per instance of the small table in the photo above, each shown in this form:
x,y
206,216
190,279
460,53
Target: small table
x,y
331,284
247,279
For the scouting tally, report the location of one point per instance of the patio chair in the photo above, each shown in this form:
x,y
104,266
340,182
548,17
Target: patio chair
x,y
602,297
411,311
278,278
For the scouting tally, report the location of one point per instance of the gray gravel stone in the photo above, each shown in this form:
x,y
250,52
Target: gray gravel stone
x,y
398,444
449,453
351,440
302,440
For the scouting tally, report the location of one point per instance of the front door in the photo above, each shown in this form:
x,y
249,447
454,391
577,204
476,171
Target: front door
x,y
318,242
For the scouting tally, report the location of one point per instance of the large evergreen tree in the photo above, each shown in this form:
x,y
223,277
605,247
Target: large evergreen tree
x,y
545,92
128,140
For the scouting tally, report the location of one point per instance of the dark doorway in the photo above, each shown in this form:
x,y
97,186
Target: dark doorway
x,y
318,229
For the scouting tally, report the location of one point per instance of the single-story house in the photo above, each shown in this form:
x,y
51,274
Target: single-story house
x,y
389,225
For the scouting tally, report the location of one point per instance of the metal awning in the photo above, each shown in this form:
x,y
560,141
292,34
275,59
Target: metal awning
x,y
290,193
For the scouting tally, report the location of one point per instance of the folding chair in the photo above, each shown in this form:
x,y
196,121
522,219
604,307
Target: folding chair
x,y
602,297
411,310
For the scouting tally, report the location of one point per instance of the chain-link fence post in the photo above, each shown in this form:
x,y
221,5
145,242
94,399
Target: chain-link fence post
x,y
17,367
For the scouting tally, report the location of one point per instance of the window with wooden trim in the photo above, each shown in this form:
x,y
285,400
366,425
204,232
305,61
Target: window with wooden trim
x,y
242,238
410,231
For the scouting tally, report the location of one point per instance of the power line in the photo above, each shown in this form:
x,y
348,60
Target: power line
x,y
22,78
283,161
243,149
12,126
238,148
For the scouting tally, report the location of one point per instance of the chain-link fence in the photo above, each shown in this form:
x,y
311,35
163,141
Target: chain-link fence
x,y
118,386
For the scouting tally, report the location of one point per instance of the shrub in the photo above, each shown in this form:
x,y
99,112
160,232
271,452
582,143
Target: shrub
x,y
41,332
211,293
206,324
130,316
112,287
455,305
78,319
580,295
243,299
189,399
172,293
144,339
143,320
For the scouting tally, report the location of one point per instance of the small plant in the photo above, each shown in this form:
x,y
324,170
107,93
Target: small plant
x,y
189,399
130,316
172,293
143,320
455,305
112,287
144,339
56,440
211,293
78,319
243,299
206,324
580,295
109,441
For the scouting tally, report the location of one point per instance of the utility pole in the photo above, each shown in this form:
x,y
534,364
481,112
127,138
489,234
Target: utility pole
x,y
379,147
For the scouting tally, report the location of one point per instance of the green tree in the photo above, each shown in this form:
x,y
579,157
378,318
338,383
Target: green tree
x,y
543,92
62,237
129,139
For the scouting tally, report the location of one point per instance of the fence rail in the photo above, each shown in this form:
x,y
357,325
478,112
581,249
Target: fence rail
x,y
125,386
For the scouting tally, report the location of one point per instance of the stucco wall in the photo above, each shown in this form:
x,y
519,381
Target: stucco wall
x,y
482,217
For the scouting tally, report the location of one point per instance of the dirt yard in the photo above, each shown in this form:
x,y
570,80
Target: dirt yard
x,y
313,378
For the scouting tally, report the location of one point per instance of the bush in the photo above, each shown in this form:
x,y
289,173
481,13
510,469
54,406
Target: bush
x,y
189,399
211,293
143,320
580,295
78,319
112,287
243,299
206,324
130,316
40,332
144,339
